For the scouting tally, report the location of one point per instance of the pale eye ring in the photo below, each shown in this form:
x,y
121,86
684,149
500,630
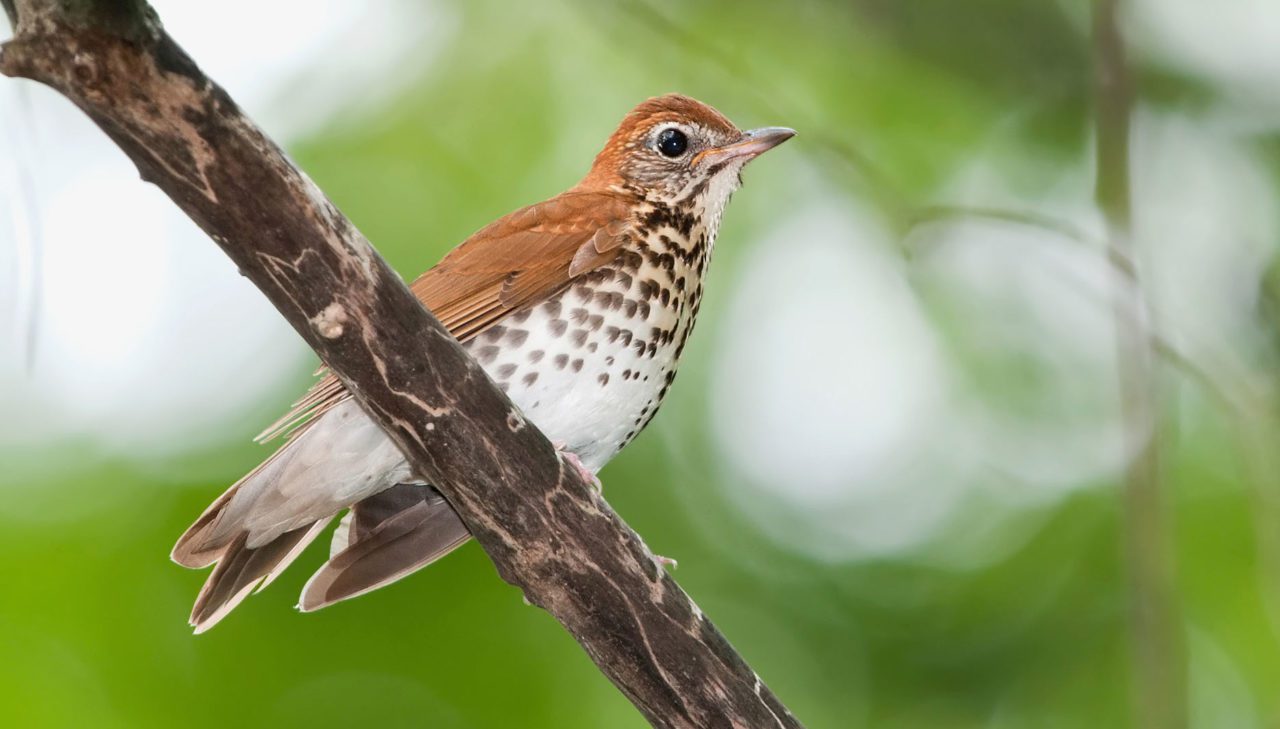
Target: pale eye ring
x,y
672,142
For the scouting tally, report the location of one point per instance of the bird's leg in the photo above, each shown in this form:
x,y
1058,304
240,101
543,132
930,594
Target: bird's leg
x,y
590,477
572,459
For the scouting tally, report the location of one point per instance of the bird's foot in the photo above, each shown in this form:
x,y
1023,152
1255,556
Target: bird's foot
x,y
572,459
666,561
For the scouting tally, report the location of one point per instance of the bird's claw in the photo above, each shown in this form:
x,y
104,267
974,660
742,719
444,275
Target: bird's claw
x,y
666,561
572,459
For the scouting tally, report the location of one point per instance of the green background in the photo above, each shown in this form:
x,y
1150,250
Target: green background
x,y
893,100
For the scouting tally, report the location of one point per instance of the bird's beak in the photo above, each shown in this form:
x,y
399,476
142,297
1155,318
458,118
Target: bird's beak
x,y
752,144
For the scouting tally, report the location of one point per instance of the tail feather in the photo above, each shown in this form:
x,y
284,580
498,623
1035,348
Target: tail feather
x,y
265,520
241,569
198,546
193,548
339,459
383,538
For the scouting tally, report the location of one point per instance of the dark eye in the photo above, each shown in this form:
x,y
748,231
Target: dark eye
x,y
672,142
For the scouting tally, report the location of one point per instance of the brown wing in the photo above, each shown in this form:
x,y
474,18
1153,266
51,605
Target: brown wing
x,y
518,260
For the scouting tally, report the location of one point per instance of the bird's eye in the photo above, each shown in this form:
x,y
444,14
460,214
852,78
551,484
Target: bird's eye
x,y
672,142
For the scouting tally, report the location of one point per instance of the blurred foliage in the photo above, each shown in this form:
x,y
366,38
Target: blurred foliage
x,y
892,99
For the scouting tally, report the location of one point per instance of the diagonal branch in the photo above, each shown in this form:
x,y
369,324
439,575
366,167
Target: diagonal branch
x,y
546,530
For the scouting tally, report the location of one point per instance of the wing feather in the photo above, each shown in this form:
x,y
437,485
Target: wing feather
x,y
514,262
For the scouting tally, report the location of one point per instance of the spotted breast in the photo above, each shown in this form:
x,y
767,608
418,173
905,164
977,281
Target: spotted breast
x,y
591,365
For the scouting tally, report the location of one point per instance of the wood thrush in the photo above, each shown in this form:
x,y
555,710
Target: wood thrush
x,y
578,307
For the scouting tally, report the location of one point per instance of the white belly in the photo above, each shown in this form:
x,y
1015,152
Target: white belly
x,y
583,372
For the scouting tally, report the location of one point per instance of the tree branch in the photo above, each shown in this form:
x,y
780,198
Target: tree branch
x,y
546,530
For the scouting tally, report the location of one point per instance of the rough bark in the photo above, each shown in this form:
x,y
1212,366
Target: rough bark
x,y
546,530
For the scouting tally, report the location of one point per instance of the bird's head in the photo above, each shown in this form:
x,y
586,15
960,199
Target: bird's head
x,y
675,150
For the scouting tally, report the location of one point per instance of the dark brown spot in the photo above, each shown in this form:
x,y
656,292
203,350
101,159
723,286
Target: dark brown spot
x,y
608,299
679,220
516,337
629,308
648,418
494,333
631,261
536,355
530,378
609,360
579,315
520,316
506,371
576,365
579,337
611,333
593,347
558,327
604,379
680,344
561,360
486,354
553,308
595,322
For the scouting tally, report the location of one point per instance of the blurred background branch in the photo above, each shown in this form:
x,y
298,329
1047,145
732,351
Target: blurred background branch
x,y
1069,231
1258,436
1158,654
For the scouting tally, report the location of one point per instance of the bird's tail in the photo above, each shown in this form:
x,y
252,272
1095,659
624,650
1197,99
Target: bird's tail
x,y
382,539
263,523
240,568
267,518
243,570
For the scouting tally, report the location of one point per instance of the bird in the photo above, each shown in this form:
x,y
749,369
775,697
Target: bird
x,y
577,307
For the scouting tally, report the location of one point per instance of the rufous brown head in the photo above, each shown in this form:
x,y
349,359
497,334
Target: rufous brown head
x,y
676,150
